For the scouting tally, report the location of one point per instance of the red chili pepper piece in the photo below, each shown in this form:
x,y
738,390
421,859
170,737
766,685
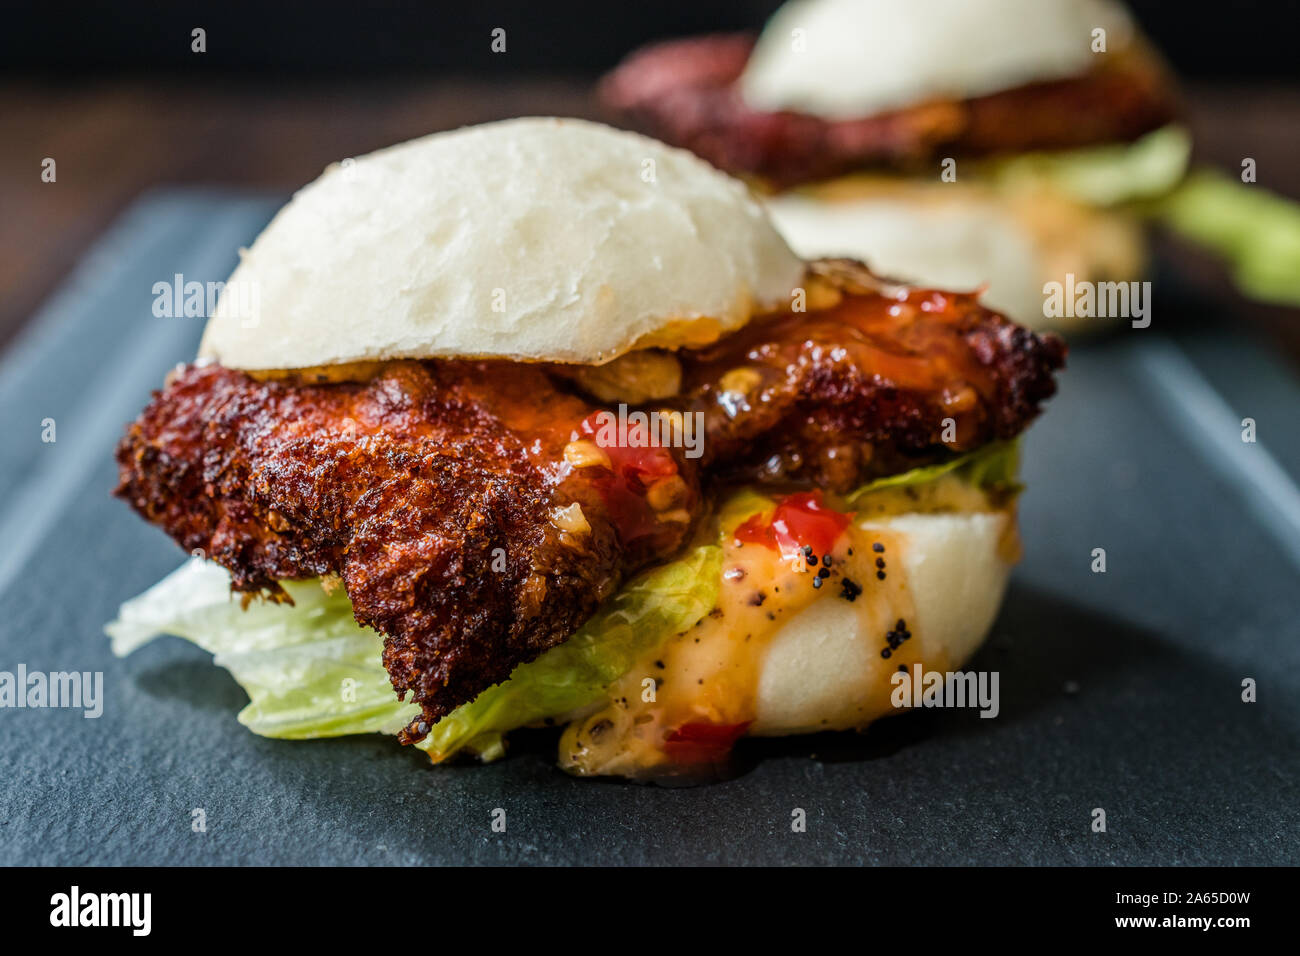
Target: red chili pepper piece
x,y
635,465
699,743
800,521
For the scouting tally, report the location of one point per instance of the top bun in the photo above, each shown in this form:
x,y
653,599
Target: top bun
x,y
845,59
532,239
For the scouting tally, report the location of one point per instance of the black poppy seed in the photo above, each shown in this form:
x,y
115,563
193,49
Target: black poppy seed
x,y
878,547
901,625
850,552
824,573
880,575
885,652
903,668
817,582
826,560
807,549
880,562
659,664
850,589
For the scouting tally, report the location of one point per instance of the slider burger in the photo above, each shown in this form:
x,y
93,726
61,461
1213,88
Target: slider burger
x,y
961,143
542,423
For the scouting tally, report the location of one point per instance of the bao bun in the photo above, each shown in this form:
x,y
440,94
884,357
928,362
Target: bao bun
x,y
823,669
845,59
531,239
951,236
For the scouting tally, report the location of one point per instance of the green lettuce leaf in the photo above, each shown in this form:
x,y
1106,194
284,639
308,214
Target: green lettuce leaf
x,y
311,671
1105,175
1256,231
992,467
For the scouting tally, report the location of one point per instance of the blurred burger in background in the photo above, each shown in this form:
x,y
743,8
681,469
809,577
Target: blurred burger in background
x,y
998,143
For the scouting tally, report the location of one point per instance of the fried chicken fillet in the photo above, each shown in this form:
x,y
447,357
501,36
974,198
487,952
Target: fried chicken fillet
x,y
473,521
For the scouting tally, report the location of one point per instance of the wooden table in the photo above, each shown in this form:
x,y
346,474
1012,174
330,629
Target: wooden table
x,y
114,139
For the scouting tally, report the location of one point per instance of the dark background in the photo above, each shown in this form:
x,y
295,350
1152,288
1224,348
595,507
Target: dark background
x,y
1255,38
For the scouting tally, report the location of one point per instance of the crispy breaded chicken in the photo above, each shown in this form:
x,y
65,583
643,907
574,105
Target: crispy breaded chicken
x,y
438,491
685,93
470,511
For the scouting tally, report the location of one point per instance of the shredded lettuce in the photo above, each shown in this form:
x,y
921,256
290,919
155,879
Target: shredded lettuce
x,y
993,467
311,671
1105,175
1256,231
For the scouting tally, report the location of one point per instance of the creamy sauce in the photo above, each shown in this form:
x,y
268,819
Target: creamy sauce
x,y
680,709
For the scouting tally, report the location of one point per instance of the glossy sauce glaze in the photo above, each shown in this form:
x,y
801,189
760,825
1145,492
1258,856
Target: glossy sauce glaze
x,y
863,387
886,337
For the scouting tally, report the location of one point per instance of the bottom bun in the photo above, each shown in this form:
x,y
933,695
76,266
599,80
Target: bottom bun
x,y
952,236
824,670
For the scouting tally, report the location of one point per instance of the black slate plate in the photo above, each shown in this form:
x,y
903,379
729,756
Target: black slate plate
x,y
1119,690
